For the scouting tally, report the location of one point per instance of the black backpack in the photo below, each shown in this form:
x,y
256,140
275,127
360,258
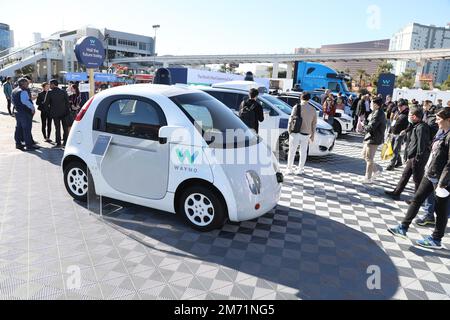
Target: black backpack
x,y
297,121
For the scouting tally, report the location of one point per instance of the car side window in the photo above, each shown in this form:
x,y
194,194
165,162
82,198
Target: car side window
x,y
269,109
230,100
134,118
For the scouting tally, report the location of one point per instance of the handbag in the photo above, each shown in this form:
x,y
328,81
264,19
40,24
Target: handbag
x,y
387,152
295,125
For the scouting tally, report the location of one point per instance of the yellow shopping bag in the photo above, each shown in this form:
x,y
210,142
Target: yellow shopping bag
x,y
387,152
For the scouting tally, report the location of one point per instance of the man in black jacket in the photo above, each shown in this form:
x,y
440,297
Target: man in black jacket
x,y
399,124
46,121
375,129
251,111
57,101
417,151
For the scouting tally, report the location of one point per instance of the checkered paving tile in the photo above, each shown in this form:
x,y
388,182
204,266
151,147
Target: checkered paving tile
x,y
327,232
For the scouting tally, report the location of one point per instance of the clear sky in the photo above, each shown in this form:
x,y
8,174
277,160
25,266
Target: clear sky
x,y
228,26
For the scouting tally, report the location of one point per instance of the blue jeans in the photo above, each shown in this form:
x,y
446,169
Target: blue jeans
x,y
430,207
24,123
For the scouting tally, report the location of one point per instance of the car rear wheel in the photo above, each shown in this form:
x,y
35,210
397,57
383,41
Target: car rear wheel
x,y
78,180
202,209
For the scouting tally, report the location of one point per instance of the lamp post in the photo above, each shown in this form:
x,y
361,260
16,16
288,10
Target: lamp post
x,y
155,27
107,37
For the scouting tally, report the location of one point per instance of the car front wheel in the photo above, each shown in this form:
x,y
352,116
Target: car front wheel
x,y
202,209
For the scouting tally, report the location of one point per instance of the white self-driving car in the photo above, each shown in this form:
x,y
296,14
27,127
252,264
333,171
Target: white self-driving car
x,y
173,149
276,118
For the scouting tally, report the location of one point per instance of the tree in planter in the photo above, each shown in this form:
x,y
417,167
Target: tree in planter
x,y
425,86
446,84
407,79
384,67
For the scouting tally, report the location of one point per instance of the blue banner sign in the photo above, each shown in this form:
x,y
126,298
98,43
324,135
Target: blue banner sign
x,y
105,77
90,52
76,76
386,84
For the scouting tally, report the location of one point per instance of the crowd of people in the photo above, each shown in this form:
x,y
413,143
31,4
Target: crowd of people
x,y
58,108
423,131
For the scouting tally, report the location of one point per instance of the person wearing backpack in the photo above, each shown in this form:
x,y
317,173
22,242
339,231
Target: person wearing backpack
x,y
251,111
302,128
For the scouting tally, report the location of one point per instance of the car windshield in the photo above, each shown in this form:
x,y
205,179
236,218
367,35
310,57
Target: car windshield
x,y
283,106
220,127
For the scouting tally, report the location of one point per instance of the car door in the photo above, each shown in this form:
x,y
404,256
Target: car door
x,y
136,163
271,117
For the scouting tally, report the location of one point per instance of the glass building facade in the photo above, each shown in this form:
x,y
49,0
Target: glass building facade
x,y
5,37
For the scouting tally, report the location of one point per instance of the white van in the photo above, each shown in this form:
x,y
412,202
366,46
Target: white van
x,y
171,149
274,129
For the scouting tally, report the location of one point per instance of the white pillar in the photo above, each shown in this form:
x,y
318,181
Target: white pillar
x,y
290,70
49,69
420,67
276,68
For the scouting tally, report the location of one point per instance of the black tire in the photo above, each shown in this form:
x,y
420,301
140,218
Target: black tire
x,y
85,183
204,219
283,150
337,128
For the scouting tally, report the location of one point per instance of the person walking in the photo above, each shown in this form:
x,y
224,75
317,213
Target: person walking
x,y
437,180
7,90
57,101
46,120
302,129
24,111
251,111
361,114
400,123
355,111
374,138
324,96
75,105
388,107
329,110
439,105
418,152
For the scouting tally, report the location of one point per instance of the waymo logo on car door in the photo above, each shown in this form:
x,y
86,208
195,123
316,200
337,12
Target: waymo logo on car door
x,y
186,155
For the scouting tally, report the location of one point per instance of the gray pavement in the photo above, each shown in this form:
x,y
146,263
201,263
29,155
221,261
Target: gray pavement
x,y
323,241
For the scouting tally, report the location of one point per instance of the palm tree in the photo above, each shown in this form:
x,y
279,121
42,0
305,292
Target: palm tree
x,y
362,75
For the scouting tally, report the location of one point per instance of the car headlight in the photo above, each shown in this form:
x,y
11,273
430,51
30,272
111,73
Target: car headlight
x,y
254,182
346,120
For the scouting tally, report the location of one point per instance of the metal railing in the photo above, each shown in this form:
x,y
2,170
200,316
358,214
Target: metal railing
x,y
30,51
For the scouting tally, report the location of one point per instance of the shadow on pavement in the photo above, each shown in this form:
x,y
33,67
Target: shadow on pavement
x,y
320,258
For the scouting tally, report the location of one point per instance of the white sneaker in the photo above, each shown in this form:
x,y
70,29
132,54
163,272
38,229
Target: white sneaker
x,y
289,172
377,174
300,172
367,181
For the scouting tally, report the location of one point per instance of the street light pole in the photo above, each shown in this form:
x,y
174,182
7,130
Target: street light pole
x,y
155,27
107,37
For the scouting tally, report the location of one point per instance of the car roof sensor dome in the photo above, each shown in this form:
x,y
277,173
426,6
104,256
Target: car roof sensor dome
x,y
163,77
